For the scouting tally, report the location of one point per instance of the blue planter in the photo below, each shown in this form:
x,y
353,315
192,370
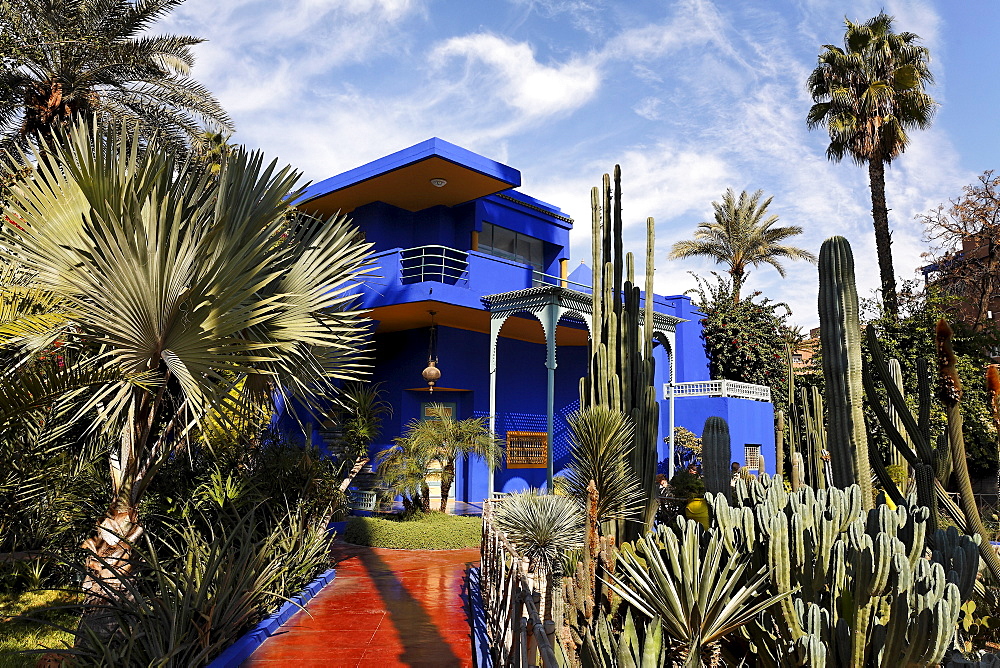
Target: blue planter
x,y
241,650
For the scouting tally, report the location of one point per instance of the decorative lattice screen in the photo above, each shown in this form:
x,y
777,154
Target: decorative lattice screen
x,y
527,449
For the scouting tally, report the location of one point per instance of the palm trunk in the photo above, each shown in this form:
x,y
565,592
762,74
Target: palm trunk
x,y
737,274
883,238
447,478
108,562
110,550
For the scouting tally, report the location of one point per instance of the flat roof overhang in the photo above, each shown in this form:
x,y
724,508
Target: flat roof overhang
x,y
403,179
522,327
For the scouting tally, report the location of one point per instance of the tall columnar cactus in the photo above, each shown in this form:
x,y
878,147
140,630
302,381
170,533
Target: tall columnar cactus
x,y
716,456
860,592
840,337
949,393
780,430
896,457
814,449
797,466
621,374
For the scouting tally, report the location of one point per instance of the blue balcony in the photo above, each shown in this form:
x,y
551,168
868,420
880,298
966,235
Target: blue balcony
x,y
440,273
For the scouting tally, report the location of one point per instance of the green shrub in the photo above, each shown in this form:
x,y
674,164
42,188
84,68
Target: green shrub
x,y
430,531
687,485
192,592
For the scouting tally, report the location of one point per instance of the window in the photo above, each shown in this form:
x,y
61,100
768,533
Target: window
x,y
754,461
511,245
527,450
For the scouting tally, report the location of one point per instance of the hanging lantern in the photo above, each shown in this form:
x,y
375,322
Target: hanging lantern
x,y
432,374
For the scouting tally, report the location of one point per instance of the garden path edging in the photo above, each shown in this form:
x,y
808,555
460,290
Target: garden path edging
x,y
241,650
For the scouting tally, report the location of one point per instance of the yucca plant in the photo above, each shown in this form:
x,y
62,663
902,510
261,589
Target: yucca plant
x,y
196,295
600,446
543,527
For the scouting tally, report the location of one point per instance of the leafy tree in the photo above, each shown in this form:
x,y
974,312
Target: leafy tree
x,y
868,95
910,337
194,296
744,339
966,250
740,236
442,440
63,59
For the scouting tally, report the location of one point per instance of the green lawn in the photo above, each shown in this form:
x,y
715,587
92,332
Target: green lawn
x,y
21,634
433,531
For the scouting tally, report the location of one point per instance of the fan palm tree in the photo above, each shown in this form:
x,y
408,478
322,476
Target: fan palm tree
x,y
62,59
740,236
197,296
867,96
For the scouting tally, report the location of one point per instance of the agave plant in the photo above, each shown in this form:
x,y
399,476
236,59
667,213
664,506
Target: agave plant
x,y
689,580
543,527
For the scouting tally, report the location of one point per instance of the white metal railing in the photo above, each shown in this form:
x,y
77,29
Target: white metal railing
x,y
718,388
362,500
539,278
433,263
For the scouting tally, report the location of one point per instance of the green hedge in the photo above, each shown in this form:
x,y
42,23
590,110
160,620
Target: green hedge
x,y
433,531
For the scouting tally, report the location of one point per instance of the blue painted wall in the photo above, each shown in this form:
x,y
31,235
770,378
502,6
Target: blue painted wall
x,y
750,423
464,362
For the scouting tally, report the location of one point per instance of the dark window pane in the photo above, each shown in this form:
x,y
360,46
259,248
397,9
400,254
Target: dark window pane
x,y
504,241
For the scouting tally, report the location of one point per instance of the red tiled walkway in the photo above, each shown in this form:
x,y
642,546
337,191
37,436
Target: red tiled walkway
x,y
385,608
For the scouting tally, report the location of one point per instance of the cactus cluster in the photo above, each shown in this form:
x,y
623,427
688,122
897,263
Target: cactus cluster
x,y
860,591
621,373
583,592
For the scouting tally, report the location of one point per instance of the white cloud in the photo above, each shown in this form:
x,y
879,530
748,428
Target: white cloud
x,y
509,72
650,108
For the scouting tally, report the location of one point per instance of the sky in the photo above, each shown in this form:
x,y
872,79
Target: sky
x,y
691,97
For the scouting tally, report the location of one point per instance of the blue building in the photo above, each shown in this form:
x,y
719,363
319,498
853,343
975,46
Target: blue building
x,y
476,273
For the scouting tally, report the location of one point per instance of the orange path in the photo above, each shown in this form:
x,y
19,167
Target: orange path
x,y
385,608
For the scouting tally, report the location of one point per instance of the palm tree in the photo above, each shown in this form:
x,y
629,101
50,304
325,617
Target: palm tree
x,y
740,236
441,439
62,59
868,95
197,297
